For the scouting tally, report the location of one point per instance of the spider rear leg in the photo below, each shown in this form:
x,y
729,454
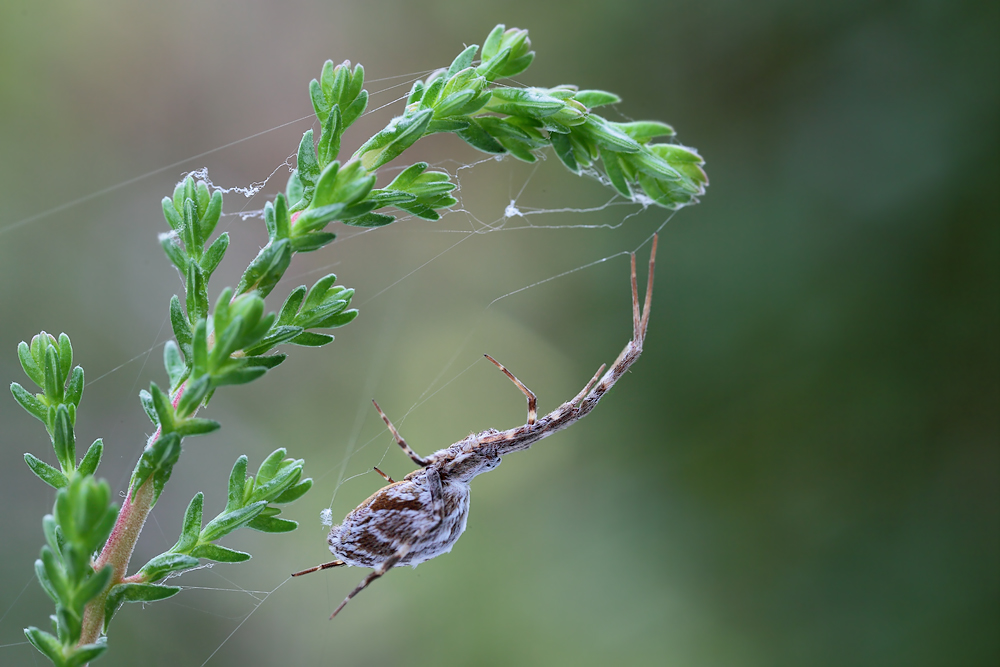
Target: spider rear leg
x,y
324,566
640,320
379,571
644,320
532,400
384,476
419,460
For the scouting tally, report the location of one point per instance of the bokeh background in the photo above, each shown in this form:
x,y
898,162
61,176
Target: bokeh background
x,y
803,468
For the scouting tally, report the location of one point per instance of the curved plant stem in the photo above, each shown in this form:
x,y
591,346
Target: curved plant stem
x,y
118,549
117,552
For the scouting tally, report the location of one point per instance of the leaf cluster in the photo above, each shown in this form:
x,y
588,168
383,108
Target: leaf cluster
x,y
48,364
80,523
250,503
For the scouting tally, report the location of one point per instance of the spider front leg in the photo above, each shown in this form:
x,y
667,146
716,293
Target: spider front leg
x,y
419,460
530,395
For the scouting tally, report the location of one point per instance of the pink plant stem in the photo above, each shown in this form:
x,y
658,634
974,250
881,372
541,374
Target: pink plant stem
x,y
118,549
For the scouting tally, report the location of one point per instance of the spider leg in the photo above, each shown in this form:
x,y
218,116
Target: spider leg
x,y
384,476
590,385
636,317
649,289
437,492
324,566
419,460
378,572
532,400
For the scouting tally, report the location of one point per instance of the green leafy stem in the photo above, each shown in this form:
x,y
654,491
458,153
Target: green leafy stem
x,y
84,564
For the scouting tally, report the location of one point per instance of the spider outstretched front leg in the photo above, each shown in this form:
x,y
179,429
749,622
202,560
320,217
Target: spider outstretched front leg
x,y
422,515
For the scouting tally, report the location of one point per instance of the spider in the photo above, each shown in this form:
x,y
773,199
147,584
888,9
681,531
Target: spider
x,y
422,516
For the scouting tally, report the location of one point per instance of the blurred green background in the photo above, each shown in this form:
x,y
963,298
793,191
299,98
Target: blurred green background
x,y
803,468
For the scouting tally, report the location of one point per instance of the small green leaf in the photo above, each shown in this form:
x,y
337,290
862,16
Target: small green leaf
x,y
493,68
269,466
172,216
196,299
270,524
175,253
293,493
195,426
30,366
609,137
210,216
277,336
318,97
237,376
268,362
64,439
596,98
492,43
329,140
532,102
123,593
338,320
46,644
312,241
355,109
93,586
74,390
54,574
92,458
644,130
230,521
181,326
312,339
191,528
291,306
176,368
33,406
463,60
237,481
219,553
401,133
194,393
65,357
213,256
43,578
267,268
54,384
83,654
307,165
450,125
167,563
45,472
613,168
163,409
564,150
371,220
157,461
147,405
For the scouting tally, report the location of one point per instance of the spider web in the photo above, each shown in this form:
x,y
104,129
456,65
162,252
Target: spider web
x,y
367,443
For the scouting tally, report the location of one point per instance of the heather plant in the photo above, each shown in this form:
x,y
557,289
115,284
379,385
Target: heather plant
x,y
232,340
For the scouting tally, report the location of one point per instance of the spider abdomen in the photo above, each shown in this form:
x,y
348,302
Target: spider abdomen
x,y
400,514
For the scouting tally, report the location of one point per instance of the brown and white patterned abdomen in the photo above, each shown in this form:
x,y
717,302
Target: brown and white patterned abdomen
x,y
405,513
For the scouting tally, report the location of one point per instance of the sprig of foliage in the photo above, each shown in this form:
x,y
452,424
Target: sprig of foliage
x,y
233,341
